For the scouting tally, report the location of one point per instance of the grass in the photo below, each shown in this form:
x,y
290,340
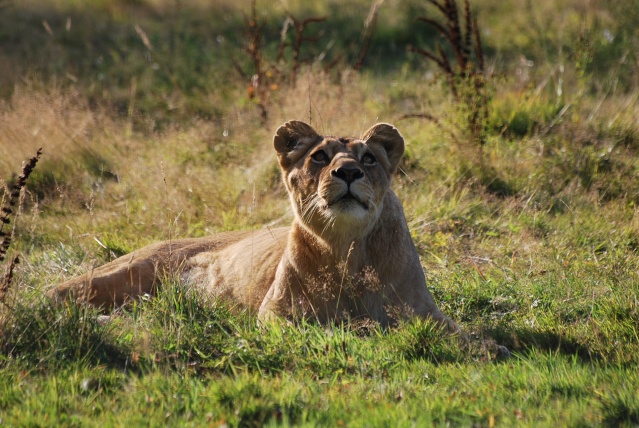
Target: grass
x,y
196,362
531,241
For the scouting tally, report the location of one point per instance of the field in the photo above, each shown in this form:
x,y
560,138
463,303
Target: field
x,y
520,184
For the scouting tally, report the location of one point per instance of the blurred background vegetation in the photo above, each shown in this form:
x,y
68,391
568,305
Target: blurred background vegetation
x,y
156,116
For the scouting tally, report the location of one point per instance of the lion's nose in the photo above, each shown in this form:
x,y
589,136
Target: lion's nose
x,y
348,173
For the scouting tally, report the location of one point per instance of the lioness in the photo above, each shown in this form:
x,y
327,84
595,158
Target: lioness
x,y
347,255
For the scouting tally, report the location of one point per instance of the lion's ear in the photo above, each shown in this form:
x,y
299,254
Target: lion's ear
x,y
292,139
390,139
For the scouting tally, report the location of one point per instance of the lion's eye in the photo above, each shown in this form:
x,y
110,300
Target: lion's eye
x,y
369,159
319,156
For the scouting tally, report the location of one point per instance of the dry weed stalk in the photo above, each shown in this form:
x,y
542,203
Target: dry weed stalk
x,y
467,79
157,58
265,75
254,46
299,26
367,34
5,284
254,50
8,210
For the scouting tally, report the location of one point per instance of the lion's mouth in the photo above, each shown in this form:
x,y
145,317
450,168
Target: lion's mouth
x,y
347,199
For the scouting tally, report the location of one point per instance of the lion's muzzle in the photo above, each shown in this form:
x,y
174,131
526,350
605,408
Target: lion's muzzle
x,y
348,173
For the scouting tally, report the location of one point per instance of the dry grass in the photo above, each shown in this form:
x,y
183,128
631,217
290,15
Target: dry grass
x,y
57,120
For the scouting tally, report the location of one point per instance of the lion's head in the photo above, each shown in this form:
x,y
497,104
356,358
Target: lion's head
x,y
337,185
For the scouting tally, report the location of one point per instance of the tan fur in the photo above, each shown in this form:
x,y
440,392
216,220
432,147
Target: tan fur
x,y
348,253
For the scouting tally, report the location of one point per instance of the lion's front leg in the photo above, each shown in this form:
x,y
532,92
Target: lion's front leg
x,y
422,304
447,324
276,303
285,297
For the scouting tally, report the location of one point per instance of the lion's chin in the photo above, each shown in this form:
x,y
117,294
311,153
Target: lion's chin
x,y
348,210
348,216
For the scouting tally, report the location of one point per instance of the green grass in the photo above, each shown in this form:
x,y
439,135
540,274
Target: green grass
x,y
195,362
180,360
530,242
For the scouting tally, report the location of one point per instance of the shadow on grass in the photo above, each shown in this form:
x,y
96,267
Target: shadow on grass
x,y
526,339
39,334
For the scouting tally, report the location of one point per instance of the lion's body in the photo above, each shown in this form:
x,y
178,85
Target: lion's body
x,y
195,259
348,253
